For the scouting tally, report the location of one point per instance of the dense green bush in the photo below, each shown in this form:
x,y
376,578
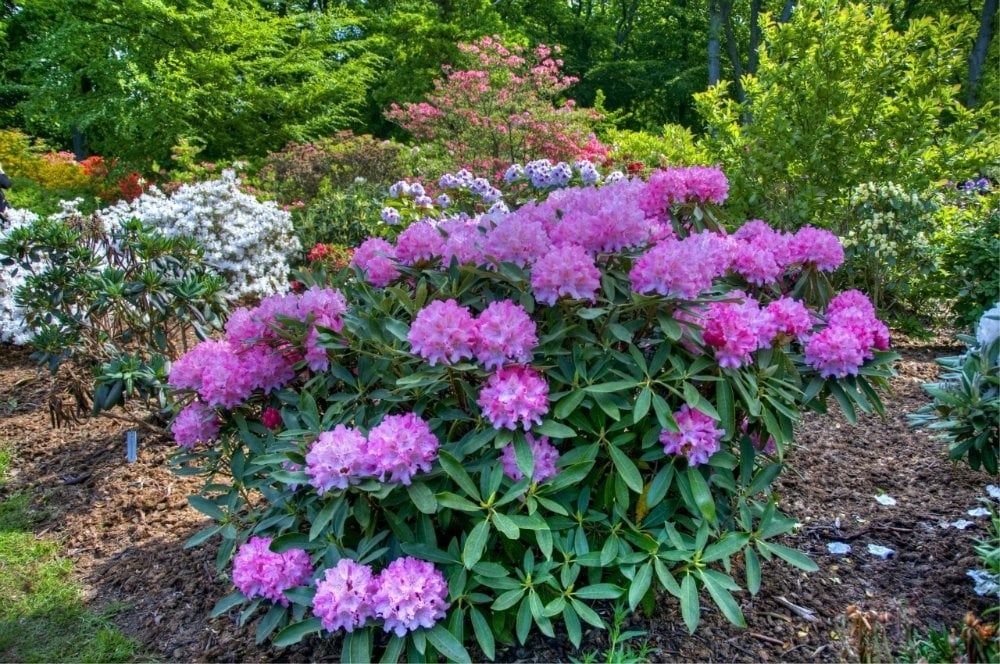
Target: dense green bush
x,y
340,216
841,97
110,307
673,146
966,405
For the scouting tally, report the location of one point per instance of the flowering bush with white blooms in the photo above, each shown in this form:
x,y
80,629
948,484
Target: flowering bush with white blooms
x,y
250,242
13,327
966,405
498,421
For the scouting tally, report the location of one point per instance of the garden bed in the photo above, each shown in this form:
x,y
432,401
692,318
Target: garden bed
x,y
124,526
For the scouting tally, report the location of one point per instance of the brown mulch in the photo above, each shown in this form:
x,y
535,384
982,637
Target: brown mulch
x,y
124,526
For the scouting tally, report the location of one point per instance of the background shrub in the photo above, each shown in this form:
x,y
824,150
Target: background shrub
x,y
341,216
673,146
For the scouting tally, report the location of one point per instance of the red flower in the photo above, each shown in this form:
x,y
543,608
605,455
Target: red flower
x,y
271,418
318,252
635,167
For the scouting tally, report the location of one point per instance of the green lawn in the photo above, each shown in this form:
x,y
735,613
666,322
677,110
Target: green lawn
x,y
42,615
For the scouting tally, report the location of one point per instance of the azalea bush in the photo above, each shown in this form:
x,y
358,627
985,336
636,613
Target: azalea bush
x,y
502,103
966,398
249,242
105,309
497,422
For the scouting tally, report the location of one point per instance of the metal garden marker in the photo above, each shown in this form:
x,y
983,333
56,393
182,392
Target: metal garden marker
x,y
131,446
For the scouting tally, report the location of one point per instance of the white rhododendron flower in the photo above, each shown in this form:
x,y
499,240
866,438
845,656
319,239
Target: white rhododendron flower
x,y
249,241
988,329
13,328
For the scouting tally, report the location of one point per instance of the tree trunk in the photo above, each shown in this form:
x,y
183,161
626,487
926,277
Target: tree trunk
x,y
755,35
714,46
732,48
786,12
977,58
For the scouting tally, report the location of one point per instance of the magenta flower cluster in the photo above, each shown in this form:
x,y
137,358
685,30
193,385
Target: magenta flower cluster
x,y
225,373
408,594
851,336
395,450
260,572
514,396
698,437
544,455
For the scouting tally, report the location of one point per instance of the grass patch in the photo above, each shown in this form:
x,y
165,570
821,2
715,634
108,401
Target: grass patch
x,y
42,615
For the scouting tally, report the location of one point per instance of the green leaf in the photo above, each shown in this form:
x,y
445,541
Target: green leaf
x,y
790,556
690,610
357,647
702,496
725,547
229,601
269,622
322,519
484,635
640,585
206,506
508,599
422,497
288,541
202,536
554,429
568,404
626,469
397,328
598,591
296,632
523,456
506,526
724,600
753,571
642,405
587,613
475,544
458,473
446,644
613,386
726,405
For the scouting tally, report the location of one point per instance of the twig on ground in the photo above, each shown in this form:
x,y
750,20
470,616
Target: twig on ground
x,y
801,612
768,639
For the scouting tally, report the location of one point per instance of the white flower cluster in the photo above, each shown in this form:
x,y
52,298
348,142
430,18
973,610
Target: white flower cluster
x,y
988,329
13,328
888,220
250,242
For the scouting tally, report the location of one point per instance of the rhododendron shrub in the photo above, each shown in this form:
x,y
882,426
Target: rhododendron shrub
x,y
500,420
502,104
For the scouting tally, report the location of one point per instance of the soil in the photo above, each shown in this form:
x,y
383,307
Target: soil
x,y
124,526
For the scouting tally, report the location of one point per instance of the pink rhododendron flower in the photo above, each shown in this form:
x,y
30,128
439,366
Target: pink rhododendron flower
x,y
325,305
604,219
214,369
851,299
411,594
677,186
197,423
260,572
817,247
732,329
544,454
504,333
516,240
682,268
463,242
419,242
514,395
267,368
786,316
402,446
344,596
835,352
338,459
316,356
565,271
698,438
443,332
377,259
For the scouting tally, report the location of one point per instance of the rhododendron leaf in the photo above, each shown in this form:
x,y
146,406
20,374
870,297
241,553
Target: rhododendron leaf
x,y
456,472
663,414
626,468
202,536
507,599
667,579
393,649
613,386
323,518
554,429
206,506
763,479
522,623
397,328
587,613
357,647
789,555
270,622
725,547
591,313
226,603
455,502
690,609
599,591
484,635
642,404
620,332
640,585
506,526
702,496
846,406
296,632
475,543
572,622
422,497
752,571
568,404
658,487
289,541
724,600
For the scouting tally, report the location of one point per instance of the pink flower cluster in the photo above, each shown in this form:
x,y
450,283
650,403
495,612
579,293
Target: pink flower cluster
x,y
376,258
445,332
698,438
851,336
514,395
397,448
567,271
544,453
504,333
680,186
197,423
260,572
407,595
682,268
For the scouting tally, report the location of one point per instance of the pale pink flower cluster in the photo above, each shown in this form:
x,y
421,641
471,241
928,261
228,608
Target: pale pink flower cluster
x,y
408,594
197,423
679,186
445,332
851,336
567,271
545,456
514,395
398,448
504,334
682,268
377,259
260,572
698,438
814,246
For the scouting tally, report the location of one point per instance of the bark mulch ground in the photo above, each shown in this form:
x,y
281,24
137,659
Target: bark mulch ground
x,y
124,526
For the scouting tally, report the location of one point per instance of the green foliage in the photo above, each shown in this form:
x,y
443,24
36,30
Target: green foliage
x,y
968,238
673,146
966,402
135,76
111,305
341,216
842,98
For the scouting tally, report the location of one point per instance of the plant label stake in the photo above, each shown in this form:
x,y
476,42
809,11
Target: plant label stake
x,y
131,446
